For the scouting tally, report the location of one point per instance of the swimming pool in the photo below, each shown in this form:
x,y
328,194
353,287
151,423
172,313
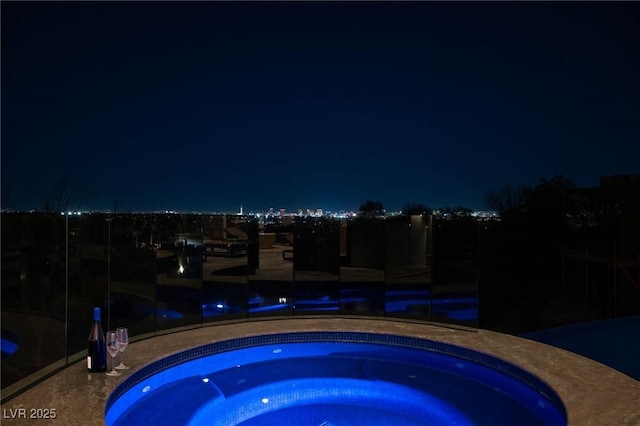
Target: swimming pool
x,y
613,342
332,378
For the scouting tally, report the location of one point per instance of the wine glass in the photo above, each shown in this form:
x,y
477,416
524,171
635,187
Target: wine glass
x,y
122,338
113,349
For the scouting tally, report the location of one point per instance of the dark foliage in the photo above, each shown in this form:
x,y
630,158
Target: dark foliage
x,y
371,208
410,209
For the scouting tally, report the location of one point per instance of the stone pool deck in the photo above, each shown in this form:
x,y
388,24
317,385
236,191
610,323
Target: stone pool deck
x,y
593,394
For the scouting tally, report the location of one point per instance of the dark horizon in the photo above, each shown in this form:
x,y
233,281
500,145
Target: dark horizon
x,y
207,106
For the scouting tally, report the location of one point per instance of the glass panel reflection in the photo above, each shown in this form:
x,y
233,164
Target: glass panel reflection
x,y
179,271
158,272
408,267
132,271
88,275
270,266
224,272
316,265
362,266
455,297
33,293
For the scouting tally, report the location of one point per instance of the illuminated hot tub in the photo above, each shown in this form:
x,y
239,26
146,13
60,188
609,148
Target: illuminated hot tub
x,y
333,378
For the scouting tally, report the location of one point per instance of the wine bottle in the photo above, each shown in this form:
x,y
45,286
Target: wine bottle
x,y
97,354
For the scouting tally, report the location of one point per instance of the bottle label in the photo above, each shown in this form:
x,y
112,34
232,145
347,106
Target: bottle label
x,y
89,362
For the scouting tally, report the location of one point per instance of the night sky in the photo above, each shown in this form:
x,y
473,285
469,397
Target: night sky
x,y
206,106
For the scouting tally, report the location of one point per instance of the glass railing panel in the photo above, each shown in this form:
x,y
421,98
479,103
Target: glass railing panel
x,y
408,270
362,267
179,271
456,272
88,276
166,271
316,265
270,264
132,294
224,271
33,293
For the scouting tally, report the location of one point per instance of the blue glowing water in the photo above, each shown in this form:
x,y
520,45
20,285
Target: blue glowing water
x,y
332,383
9,343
